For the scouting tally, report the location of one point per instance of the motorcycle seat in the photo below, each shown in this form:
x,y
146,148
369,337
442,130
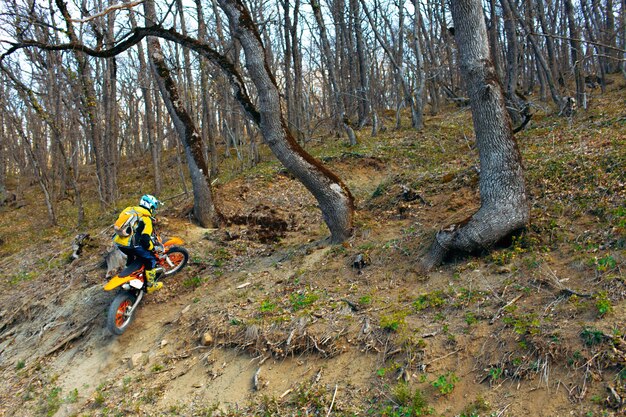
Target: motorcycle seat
x,y
131,268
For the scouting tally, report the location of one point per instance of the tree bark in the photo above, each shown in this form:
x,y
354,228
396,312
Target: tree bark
x,y
204,209
504,204
334,198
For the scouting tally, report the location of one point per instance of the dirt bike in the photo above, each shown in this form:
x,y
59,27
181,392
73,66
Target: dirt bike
x,y
132,283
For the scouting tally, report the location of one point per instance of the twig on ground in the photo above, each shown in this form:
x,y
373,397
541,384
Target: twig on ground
x,y
501,310
330,409
441,357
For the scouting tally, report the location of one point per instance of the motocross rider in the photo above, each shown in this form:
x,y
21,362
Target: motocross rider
x,y
139,244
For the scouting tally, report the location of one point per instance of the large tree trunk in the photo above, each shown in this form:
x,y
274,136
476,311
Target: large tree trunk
x,y
203,207
334,198
504,206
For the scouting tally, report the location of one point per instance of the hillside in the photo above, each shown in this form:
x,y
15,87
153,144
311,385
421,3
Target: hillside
x,y
537,327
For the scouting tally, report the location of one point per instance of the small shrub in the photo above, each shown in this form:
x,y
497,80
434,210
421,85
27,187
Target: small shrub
x,y
393,322
72,397
20,364
523,324
193,282
52,402
606,263
470,318
476,409
495,373
405,403
591,337
267,306
300,301
445,383
603,304
366,299
432,299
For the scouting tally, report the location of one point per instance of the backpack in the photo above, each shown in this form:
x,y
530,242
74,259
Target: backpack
x,y
126,222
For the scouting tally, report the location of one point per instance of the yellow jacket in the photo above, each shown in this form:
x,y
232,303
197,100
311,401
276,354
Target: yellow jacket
x,y
144,227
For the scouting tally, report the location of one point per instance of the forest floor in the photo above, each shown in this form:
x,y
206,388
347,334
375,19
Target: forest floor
x,y
534,328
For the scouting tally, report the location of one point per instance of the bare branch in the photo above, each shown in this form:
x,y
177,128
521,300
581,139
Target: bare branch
x,y
567,38
108,10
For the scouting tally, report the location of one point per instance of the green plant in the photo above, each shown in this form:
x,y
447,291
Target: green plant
x,y
20,364
72,397
591,337
432,299
495,373
445,383
302,300
267,306
52,402
366,299
470,318
603,304
476,409
394,321
380,190
524,323
99,397
21,277
193,282
606,263
157,367
405,403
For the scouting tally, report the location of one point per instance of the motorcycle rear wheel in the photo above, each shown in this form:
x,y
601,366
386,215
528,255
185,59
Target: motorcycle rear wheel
x,y
120,314
178,258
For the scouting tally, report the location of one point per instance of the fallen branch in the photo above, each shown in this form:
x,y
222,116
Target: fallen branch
x,y
442,357
68,339
501,310
333,401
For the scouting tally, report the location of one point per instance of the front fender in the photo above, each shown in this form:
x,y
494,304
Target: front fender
x,y
173,241
117,281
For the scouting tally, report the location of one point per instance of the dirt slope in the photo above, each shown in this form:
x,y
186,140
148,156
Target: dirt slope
x,y
533,328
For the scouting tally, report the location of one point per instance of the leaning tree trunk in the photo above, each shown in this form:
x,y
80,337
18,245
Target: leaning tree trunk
x,y
334,198
204,209
504,205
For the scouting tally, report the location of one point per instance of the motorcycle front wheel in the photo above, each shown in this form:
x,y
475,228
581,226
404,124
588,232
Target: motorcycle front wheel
x,y
120,312
175,260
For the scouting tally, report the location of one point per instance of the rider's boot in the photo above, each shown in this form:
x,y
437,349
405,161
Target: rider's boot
x,y
152,285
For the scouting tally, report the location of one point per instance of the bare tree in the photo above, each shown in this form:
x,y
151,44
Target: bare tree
x,y
340,109
204,208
